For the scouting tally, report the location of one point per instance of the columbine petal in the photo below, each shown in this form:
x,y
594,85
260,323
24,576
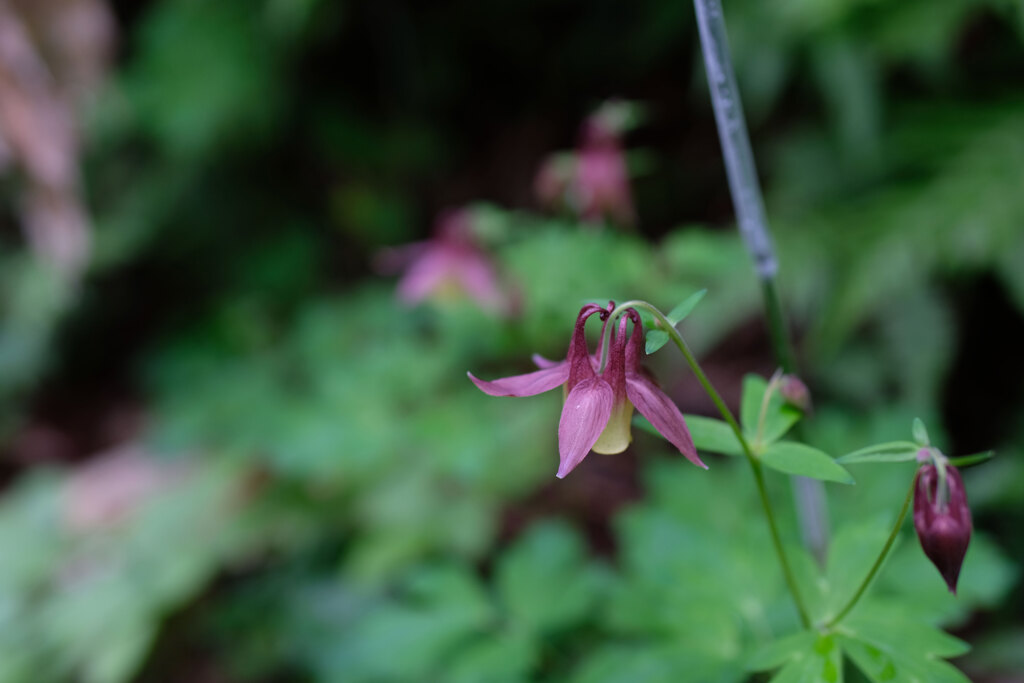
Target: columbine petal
x,y
651,401
661,412
584,416
581,364
542,362
525,385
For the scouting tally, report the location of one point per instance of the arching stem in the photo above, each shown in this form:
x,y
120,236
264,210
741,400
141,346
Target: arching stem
x,y
730,419
878,561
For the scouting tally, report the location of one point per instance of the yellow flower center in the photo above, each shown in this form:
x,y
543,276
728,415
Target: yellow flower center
x,y
616,435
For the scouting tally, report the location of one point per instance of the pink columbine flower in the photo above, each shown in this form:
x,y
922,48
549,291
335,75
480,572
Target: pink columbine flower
x,y
451,264
598,405
601,186
942,519
593,181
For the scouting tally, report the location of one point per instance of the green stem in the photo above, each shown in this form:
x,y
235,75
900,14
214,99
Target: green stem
x,y
810,493
878,561
755,464
777,326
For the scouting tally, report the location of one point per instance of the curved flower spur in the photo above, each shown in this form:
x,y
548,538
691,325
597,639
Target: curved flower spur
x,y
599,402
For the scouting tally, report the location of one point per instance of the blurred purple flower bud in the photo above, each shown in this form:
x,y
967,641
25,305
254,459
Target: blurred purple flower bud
x,y
598,406
449,265
942,519
795,393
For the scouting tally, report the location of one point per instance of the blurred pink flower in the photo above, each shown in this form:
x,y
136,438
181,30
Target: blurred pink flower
x,y
53,55
601,187
449,265
593,181
114,485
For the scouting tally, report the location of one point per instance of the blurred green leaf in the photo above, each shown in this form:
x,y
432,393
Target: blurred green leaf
x,y
545,581
888,644
920,433
819,658
713,435
804,460
892,451
764,421
778,652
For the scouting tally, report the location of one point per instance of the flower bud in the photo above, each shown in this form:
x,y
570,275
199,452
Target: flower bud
x,y
942,519
795,393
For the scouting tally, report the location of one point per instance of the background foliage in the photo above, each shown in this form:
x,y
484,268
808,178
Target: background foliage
x,y
229,453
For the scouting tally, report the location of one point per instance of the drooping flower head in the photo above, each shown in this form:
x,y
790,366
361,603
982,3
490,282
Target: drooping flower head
x,y
599,403
942,519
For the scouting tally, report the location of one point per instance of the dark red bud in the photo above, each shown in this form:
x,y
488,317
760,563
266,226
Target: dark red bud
x,y
943,522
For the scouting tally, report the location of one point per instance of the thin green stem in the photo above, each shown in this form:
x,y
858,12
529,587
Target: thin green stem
x,y
755,464
878,561
777,326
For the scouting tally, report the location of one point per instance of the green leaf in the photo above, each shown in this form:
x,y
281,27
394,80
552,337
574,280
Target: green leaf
x,y
801,459
778,652
973,459
882,666
655,340
545,581
850,555
656,337
754,387
657,662
500,658
713,435
805,657
891,628
679,313
887,643
778,417
892,451
443,608
920,432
